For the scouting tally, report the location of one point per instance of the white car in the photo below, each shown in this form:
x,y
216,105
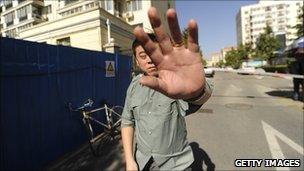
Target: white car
x,y
209,72
246,70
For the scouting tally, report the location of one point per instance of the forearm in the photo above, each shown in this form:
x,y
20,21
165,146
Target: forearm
x,y
127,134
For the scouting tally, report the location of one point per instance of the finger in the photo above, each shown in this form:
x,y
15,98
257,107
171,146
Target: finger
x,y
162,37
150,47
154,83
193,36
174,27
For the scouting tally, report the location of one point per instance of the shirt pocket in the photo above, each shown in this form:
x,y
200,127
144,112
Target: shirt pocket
x,y
165,109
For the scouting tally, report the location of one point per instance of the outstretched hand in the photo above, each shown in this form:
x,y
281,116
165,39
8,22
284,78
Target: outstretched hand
x,y
180,70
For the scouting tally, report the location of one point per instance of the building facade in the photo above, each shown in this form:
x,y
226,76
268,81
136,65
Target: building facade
x,y
281,16
215,59
89,24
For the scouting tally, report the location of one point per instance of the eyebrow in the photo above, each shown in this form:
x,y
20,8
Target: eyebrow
x,y
142,52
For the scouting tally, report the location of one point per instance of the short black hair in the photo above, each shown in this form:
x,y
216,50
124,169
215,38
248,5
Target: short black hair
x,y
137,43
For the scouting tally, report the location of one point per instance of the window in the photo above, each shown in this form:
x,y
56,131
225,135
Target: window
x,y
136,5
9,19
69,1
8,4
267,9
64,41
109,5
48,9
281,6
22,13
280,14
19,1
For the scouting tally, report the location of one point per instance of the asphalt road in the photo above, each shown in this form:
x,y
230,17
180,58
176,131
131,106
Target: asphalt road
x,y
248,117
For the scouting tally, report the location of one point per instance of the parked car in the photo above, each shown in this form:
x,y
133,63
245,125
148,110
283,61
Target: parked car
x,y
209,72
246,70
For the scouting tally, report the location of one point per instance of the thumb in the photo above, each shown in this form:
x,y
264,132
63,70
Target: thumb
x,y
152,82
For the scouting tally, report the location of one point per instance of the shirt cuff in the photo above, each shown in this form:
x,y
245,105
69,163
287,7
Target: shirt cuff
x,y
204,97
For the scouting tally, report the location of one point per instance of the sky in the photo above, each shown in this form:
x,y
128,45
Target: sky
x,y
216,21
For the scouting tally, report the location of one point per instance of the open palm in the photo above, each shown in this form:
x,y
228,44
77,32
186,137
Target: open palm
x,y
180,71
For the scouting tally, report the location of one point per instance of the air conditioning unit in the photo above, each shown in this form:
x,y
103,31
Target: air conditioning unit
x,y
128,14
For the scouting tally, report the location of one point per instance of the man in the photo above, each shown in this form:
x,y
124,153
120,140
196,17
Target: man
x,y
297,67
173,85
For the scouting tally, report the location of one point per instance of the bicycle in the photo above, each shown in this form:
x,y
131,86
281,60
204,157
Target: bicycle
x,y
112,126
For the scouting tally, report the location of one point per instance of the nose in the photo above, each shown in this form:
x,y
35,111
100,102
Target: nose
x,y
149,61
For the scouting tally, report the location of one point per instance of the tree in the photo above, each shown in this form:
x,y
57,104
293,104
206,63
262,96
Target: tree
x,y
299,27
234,58
185,40
266,45
244,51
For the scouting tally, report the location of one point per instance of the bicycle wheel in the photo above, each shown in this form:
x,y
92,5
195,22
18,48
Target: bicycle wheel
x,y
116,115
93,141
116,112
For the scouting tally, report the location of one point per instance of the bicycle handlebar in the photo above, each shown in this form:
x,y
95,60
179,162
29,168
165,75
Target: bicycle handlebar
x,y
86,104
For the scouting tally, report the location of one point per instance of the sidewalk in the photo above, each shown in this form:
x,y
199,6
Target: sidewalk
x,y
111,159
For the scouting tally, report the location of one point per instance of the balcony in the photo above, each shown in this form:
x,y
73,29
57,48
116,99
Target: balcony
x,y
8,5
23,18
9,23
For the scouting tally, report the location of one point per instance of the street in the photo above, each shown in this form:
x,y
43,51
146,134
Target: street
x,y
242,111
247,117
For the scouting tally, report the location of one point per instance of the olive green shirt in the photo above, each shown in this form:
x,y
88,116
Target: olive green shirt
x,y
160,126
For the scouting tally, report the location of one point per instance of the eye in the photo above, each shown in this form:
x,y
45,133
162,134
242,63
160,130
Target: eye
x,y
143,56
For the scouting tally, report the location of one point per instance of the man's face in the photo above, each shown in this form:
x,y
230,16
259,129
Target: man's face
x,y
144,61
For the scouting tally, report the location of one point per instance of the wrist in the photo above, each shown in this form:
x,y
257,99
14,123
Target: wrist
x,y
130,159
197,95
204,95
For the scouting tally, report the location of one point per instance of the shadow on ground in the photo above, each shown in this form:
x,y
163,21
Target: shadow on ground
x,y
283,93
110,159
200,158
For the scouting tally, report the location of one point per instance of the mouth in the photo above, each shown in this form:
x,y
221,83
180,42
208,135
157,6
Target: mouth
x,y
153,68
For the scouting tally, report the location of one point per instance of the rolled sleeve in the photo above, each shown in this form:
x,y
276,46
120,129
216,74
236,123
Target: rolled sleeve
x,y
127,118
206,95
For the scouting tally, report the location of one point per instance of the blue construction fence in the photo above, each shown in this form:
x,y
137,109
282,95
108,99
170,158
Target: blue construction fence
x,y
38,81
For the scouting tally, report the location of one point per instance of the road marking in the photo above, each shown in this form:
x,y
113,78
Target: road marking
x,y
235,88
275,149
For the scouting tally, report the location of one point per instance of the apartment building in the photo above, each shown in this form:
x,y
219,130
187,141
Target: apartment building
x,y
216,57
1,25
90,24
281,16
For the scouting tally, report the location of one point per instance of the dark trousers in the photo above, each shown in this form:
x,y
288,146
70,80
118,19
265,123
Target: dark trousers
x,y
151,165
296,85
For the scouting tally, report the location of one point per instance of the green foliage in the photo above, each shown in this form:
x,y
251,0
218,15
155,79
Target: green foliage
x,y
185,37
234,58
276,68
267,45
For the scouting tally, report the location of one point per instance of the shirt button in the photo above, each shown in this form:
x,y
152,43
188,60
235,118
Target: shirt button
x,y
150,132
149,112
